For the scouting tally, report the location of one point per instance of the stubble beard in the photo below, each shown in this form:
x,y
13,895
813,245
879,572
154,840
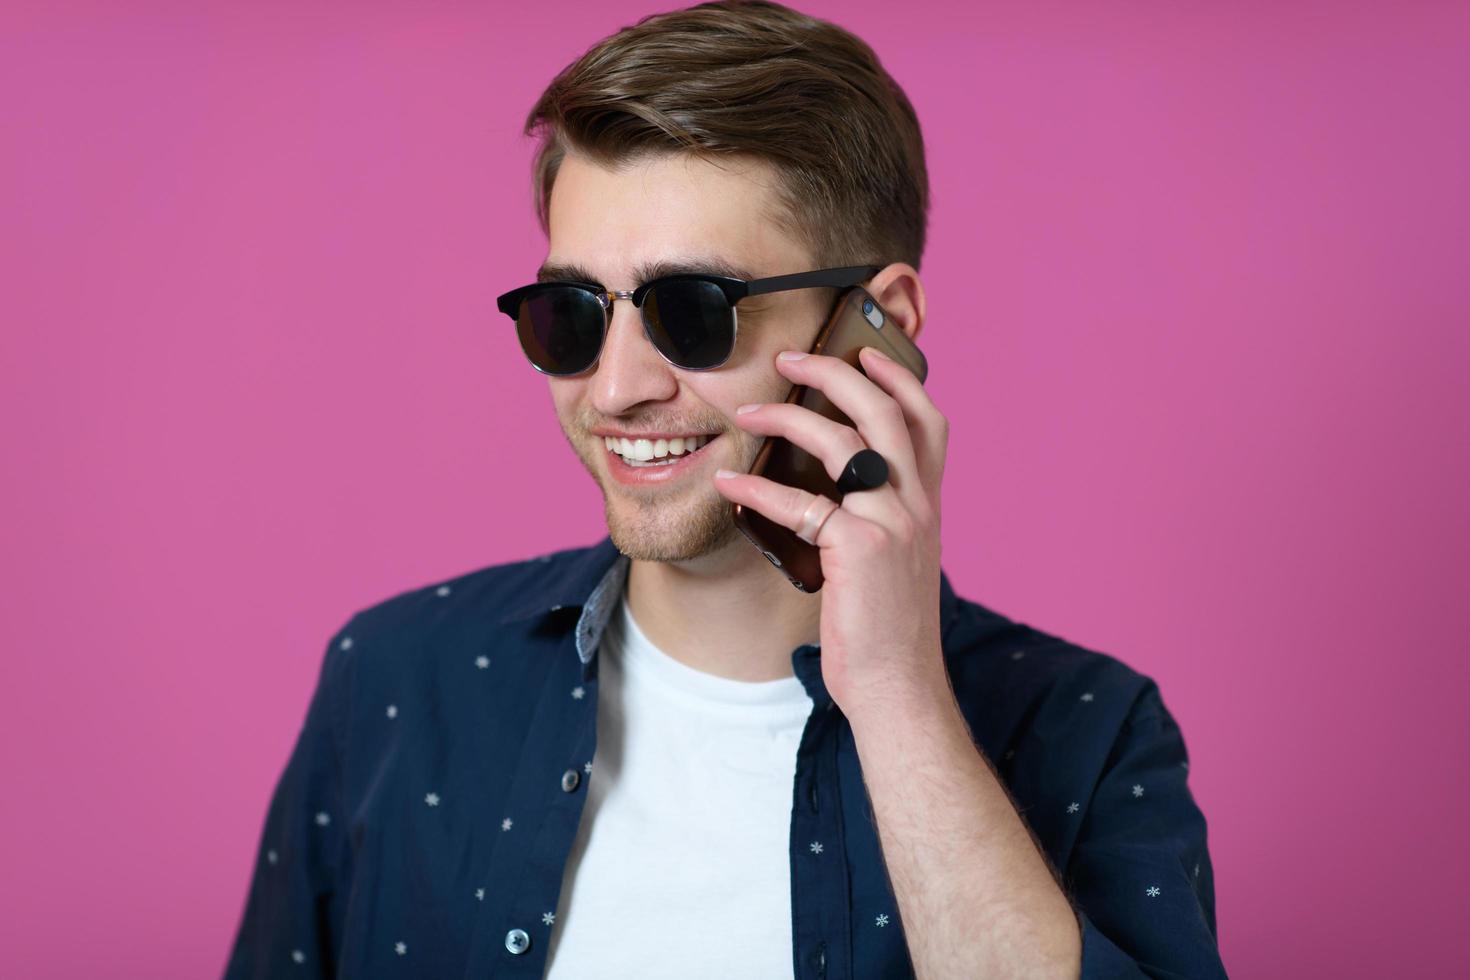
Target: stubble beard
x,y
687,520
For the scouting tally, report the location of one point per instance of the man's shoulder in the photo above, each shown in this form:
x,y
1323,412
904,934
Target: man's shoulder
x,y
1014,674
480,596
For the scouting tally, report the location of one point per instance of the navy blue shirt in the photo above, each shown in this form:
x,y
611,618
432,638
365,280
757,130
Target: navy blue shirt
x,y
423,822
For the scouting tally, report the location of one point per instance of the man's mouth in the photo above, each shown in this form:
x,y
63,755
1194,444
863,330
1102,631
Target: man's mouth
x,y
659,452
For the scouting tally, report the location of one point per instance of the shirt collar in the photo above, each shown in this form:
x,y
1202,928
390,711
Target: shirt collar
x,y
592,580
574,577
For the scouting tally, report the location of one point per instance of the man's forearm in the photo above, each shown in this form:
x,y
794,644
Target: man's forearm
x,y
976,895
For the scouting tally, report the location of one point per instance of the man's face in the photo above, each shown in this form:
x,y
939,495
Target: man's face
x,y
675,209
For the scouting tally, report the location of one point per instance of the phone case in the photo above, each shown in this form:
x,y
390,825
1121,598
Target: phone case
x,y
856,321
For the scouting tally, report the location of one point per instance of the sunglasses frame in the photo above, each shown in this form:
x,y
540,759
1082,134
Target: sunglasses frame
x,y
734,291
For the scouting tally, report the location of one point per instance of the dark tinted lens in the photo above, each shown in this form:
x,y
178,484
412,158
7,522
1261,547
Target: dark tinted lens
x,y
691,322
561,329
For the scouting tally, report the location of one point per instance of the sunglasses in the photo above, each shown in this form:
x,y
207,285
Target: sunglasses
x,y
689,318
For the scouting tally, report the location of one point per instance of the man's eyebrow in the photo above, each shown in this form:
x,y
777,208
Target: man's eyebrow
x,y
563,272
552,271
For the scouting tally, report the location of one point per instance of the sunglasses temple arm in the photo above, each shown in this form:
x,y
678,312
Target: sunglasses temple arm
x,y
846,276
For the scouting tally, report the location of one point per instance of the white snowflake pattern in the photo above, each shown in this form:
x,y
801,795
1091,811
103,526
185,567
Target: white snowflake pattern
x,y
482,661
400,947
392,711
298,956
816,847
1196,869
432,799
322,819
1137,790
272,856
882,920
1086,696
1152,891
480,894
346,643
1018,654
579,692
442,590
548,918
587,768
1073,807
505,824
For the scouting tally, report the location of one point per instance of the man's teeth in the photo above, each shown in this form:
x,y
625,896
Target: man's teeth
x,y
643,450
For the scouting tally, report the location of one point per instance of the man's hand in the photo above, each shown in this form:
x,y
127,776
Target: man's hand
x,y
880,549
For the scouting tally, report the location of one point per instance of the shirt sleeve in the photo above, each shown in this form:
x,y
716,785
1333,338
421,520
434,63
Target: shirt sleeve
x,y
291,912
1139,873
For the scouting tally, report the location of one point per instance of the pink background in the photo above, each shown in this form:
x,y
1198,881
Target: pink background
x,y
1198,314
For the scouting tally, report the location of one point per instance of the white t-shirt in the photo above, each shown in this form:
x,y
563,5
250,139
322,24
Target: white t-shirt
x,y
681,866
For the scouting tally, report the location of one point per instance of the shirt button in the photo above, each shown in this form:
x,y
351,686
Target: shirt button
x,y
517,941
569,780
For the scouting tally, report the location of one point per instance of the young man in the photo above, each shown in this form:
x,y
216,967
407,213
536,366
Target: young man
x,y
653,757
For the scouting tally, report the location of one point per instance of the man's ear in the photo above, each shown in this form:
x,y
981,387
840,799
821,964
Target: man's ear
x,y
897,289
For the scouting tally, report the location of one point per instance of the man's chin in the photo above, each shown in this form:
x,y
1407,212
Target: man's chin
x,y
666,537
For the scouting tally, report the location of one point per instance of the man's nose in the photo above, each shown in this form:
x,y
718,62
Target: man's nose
x,y
630,370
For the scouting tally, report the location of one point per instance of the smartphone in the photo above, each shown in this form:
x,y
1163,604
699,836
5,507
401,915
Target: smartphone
x,y
856,321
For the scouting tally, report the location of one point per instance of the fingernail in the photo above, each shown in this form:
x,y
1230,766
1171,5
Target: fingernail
x,y
725,474
877,353
747,408
791,355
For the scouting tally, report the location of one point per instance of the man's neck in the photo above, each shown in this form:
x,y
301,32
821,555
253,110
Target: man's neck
x,y
728,613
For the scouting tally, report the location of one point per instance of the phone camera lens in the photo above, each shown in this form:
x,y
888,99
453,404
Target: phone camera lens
x,y
872,314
